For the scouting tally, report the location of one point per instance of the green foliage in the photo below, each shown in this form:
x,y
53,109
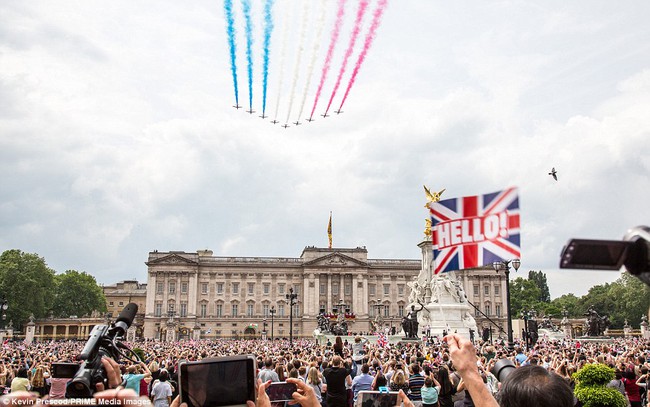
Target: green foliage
x,y
31,287
570,303
539,278
598,396
524,294
26,282
140,353
594,375
590,387
77,294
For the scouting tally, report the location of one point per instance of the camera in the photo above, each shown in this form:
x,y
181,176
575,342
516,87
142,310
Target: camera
x,y
633,252
502,369
103,341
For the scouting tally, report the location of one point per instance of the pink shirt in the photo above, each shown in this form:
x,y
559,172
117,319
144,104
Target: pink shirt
x,y
57,387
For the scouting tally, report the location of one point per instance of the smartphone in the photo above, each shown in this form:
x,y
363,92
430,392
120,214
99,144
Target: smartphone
x,y
281,391
221,382
377,399
64,370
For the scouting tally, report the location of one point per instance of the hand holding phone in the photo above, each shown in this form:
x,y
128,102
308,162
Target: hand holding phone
x,y
281,391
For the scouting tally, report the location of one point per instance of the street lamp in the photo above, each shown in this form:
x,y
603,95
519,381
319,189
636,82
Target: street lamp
x,y
264,328
505,267
291,297
3,307
272,312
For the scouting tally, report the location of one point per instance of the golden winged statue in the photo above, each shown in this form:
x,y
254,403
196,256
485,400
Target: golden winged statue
x,y
427,228
432,197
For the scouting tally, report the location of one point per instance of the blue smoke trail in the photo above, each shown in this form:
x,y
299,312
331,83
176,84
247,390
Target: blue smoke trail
x,y
230,24
268,29
246,4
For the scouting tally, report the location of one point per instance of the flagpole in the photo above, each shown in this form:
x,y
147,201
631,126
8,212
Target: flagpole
x,y
329,231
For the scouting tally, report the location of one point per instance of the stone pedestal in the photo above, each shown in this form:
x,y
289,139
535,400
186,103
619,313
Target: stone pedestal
x,y
130,333
645,333
566,328
171,332
196,333
30,331
446,307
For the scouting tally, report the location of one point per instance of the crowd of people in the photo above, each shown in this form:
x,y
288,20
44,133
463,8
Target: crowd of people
x,y
441,372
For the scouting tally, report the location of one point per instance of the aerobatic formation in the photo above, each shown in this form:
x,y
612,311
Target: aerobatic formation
x,y
335,36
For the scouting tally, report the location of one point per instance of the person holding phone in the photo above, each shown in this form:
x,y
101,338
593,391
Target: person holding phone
x,y
336,378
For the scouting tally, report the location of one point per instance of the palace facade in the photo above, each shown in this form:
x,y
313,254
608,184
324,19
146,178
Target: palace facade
x,y
199,295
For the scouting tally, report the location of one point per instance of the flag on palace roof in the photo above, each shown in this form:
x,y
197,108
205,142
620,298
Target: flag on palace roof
x,y
475,231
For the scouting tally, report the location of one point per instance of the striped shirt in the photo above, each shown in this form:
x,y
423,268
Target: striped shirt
x,y
416,382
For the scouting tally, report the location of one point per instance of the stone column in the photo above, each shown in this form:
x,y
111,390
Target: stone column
x,y
151,293
193,287
171,331
566,327
329,292
130,333
645,333
196,332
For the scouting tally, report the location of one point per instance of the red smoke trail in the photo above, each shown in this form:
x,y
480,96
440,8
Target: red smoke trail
x,y
353,39
330,50
376,20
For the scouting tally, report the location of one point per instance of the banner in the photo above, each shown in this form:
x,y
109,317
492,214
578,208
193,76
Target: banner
x,y
474,231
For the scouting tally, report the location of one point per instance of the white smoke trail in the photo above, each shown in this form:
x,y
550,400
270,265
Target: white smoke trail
x,y
296,68
285,36
314,54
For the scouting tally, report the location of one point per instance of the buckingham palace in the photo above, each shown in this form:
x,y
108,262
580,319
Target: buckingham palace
x,y
199,295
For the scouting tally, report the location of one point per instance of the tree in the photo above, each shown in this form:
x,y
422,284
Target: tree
x,y
77,294
524,295
27,284
539,278
570,303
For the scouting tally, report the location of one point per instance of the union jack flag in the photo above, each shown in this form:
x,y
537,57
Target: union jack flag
x,y
382,340
474,231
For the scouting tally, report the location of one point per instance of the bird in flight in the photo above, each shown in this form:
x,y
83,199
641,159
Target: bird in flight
x,y
553,173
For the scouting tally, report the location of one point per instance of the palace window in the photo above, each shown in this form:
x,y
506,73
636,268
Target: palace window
x,y
183,309
335,289
348,289
267,288
497,309
386,289
476,290
234,309
280,288
160,286
386,310
235,288
172,287
496,290
158,309
251,288
219,310
203,310
400,310
219,288
184,288
486,290
487,309
250,309
323,290
204,288
281,310
372,289
400,289
265,310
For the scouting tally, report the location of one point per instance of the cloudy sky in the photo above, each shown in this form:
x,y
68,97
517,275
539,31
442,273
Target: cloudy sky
x,y
118,136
